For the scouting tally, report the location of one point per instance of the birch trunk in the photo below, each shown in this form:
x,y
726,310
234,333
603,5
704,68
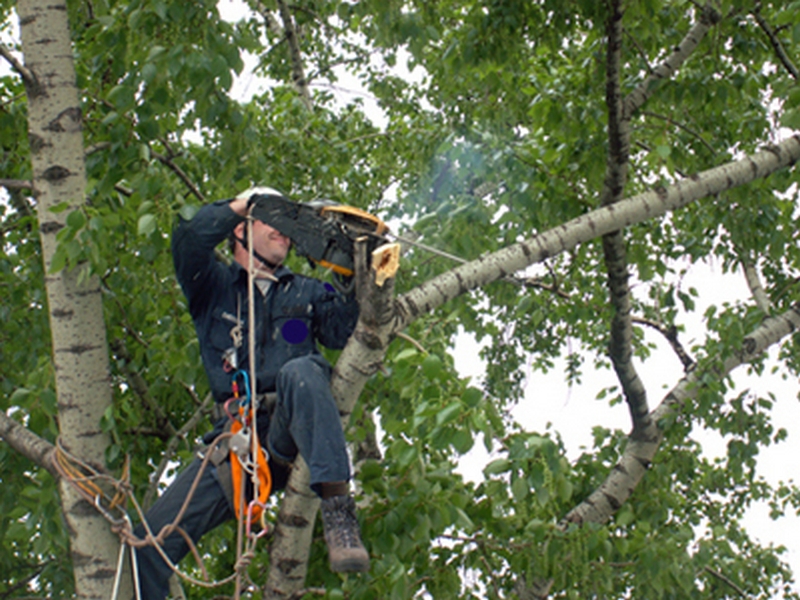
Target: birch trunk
x,y
80,354
360,359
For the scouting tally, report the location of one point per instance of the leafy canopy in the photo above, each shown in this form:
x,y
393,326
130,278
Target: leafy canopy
x,y
493,128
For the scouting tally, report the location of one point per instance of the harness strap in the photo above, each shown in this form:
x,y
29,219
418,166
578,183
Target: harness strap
x,y
230,471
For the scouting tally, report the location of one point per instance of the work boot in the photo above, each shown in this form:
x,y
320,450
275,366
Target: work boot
x,y
342,535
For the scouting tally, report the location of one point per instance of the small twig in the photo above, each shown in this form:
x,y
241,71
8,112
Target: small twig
x,y
776,43
412,341
725,580
169,163
17,184
25,73
671,334
97,148
680,125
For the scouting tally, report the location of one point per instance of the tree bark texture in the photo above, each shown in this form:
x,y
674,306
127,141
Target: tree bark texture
x,y
80,353
619,114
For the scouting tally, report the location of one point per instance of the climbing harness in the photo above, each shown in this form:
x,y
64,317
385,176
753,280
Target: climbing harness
x,y
246,456
246,459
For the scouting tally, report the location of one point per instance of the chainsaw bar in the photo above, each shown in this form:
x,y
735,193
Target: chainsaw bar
x,y
322,231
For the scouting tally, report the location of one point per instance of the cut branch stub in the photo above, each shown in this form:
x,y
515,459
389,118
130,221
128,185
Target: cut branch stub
x,y
385,262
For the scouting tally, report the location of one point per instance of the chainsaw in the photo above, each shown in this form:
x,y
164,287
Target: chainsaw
x,y
323,231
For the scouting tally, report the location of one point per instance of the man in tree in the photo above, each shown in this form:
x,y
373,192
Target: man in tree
x,y
292,314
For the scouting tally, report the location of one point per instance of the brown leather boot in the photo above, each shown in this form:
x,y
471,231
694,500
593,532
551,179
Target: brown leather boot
x,y
342,535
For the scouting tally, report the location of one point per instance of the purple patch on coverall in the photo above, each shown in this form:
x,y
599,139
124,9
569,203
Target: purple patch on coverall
x,y
294,331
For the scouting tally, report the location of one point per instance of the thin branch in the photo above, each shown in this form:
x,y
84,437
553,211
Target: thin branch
x,y
671,334
776,43
680,125
172,446
298,72
754,283
634,100
97,147
727,581
169,163
27,75
412,341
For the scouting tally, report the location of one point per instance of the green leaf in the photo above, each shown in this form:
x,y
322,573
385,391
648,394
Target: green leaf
x,y
520,489
448,413
472,397
497,466
147,225
76,219
432,366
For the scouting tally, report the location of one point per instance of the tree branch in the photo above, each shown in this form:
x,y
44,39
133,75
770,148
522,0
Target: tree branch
x,y
726,580
634,100
754,283
648,205
169,163
680,125
27,443
17,184
614,253
638,455
298,72
671,334
780,52
360,359
27,75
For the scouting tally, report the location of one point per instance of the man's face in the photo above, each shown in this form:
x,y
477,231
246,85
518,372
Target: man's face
x,y
269,242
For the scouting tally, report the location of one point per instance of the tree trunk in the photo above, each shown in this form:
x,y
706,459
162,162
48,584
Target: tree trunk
x,y
80,353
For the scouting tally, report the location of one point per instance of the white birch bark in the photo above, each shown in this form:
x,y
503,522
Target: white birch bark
x,y
80,353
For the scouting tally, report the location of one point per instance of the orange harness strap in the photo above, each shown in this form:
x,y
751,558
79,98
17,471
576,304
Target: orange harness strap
x,y
256,506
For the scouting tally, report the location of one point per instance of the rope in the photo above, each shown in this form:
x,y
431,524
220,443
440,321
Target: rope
x,y
84,478
244,557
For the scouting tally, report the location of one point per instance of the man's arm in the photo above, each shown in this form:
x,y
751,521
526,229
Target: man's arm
x,y
194,241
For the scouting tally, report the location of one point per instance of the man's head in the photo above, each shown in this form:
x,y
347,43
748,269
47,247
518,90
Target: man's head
x,y
270,245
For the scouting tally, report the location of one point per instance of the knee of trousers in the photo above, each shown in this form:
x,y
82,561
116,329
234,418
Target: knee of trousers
x,y
303,371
